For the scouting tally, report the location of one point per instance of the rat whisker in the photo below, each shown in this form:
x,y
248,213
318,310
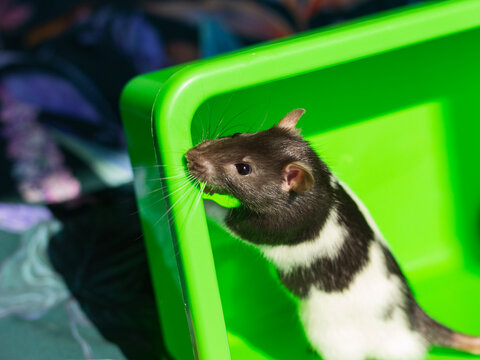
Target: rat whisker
x,y
196,123
198,186
222,131
226,131
263,122
196,200
222,117
167,177
267,111
209,118
167,212
199,196
199,125
157,166
158,200
181,199
181,187
181,152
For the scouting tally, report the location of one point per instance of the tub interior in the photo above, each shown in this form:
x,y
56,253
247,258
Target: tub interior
x,y
401,129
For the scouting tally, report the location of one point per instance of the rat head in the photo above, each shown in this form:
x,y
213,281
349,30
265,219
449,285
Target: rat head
x,y
265,170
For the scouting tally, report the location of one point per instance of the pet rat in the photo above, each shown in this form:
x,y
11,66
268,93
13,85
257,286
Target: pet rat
x,y
355,302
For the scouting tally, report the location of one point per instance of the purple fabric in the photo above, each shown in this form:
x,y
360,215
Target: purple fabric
x,y
38,164
131,34
50,93
13,15
138,40
20,217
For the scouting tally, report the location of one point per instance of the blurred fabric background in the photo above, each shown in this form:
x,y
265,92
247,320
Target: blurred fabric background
x,y
74,281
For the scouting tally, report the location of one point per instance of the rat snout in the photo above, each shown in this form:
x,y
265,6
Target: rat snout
x,y
191,155
198,165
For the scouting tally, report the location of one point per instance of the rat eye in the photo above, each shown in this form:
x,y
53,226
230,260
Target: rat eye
x,y
236,134
243,169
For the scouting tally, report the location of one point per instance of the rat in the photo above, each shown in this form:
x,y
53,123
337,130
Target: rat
x,y
354,300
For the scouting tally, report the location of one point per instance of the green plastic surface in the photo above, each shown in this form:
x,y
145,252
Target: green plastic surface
x,y
393,106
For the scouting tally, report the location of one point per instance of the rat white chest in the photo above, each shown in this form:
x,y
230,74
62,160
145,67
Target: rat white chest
x,y
364,321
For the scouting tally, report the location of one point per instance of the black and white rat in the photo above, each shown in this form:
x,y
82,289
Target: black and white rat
x,y
355,302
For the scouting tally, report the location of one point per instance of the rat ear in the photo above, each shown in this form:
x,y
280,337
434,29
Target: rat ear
x,y
290,120
297,176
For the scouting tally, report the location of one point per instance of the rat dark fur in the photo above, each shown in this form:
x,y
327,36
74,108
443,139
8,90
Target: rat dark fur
x,y
355,302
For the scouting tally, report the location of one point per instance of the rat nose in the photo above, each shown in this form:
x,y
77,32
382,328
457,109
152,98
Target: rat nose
x,y
192,155
197,163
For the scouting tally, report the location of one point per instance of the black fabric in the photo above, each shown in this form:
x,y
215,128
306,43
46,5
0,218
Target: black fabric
x,y
100,254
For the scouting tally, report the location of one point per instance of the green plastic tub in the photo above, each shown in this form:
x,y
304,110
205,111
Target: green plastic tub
x,y
393,107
